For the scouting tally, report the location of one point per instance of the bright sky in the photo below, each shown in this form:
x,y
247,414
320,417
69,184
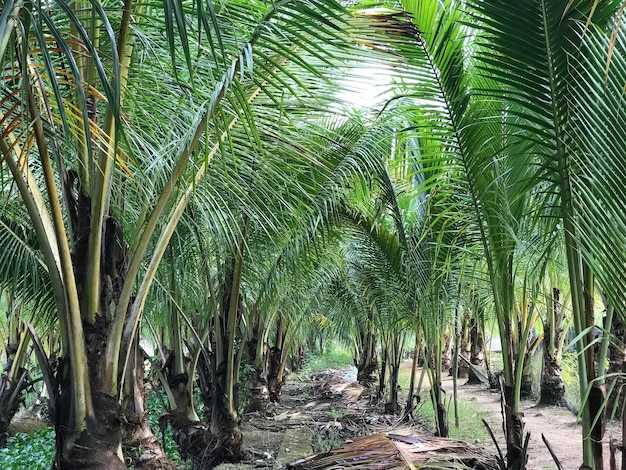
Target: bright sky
x,y
367,86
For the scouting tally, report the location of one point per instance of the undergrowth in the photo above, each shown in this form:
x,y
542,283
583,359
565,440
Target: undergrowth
x,y
29,451
155,406
335,358
569,370
36,451
471,427
325,440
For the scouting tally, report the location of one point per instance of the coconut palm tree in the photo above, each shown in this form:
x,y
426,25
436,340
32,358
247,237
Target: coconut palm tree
x,y
472,190
97,145
516,130
543,82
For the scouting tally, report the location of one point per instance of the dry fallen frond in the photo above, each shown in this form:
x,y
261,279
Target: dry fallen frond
x,y
397,451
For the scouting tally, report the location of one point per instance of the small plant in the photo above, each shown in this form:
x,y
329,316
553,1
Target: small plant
x,y
325,440
336,414
155,408
246,375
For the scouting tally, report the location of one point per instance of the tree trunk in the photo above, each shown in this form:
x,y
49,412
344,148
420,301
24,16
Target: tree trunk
x,y
206,445
552,384
413,397
99,445
446,353
514,425
11,396
552,391
297,358
526,386
258,393
617,364
367,362
441,411
392,406
477,351
14,381
383,372
221,440
140,444
465,348
274,384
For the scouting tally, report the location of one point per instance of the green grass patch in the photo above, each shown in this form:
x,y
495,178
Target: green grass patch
x,y
155,406
332,358
471,428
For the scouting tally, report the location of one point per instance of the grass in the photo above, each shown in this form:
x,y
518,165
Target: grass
x,y
471,428
332,358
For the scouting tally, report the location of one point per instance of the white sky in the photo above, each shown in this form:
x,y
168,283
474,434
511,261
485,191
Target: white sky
x,y
366,86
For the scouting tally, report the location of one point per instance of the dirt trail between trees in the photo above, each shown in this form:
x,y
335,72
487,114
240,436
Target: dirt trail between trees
x,y
327,411
557,424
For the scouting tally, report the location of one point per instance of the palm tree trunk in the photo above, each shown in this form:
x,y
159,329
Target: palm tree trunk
x,y
441,418
617,364
383,373
463,343
514,425
367,362
477,351
446,352
140,443
411,395
258,395
99,444
275,357
274,383
15,378
552,391
297,357
221,440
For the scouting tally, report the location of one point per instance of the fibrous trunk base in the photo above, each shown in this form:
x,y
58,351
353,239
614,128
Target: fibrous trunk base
x,y
95,447
552,385
207,449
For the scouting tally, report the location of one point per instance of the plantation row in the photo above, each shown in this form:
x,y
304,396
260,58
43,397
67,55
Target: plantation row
x,y
196,189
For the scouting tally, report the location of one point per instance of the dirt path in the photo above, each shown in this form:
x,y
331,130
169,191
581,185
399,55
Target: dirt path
x,y
328,411
558,425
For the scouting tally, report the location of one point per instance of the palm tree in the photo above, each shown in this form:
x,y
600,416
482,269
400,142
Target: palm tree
x,y
98,153
548,80
22,276
472,189
556,322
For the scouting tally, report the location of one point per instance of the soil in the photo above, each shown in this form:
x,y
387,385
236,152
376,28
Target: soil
x,y
315,414
330,409
558,425
326,411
